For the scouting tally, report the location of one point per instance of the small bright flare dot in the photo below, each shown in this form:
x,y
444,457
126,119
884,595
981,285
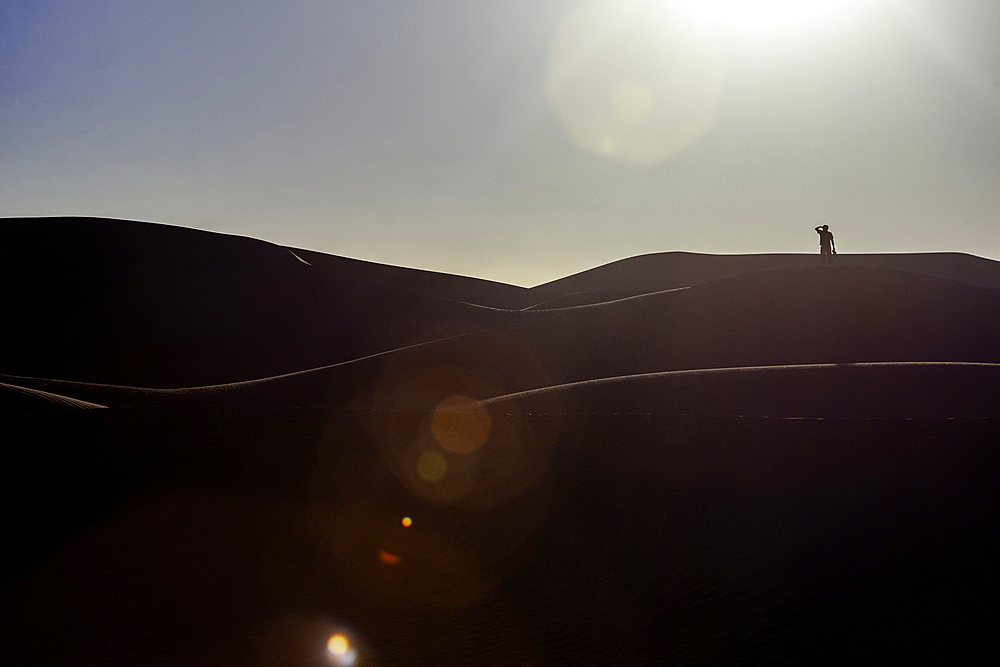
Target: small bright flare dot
x,y
340,650
338,645
407,522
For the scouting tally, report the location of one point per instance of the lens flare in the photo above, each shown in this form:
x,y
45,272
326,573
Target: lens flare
x,y
388,558
431,466
461,424
340,650
632,101
634,81
338,645
407,522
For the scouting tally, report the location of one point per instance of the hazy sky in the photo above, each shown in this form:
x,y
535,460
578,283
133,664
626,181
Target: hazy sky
x,y
516,141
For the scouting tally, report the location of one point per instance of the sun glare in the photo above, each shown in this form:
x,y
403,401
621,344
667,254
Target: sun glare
x,y
762,15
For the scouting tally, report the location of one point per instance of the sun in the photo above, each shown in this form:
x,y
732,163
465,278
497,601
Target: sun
x,y
763,16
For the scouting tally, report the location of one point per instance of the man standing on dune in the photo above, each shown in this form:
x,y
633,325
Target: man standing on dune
x,y
826,246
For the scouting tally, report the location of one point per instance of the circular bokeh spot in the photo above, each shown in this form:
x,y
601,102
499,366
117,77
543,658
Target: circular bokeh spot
x,y
461,424
431,466
632,101
338,645
634,81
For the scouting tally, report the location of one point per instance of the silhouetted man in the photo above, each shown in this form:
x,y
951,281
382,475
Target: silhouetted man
x,y
826,246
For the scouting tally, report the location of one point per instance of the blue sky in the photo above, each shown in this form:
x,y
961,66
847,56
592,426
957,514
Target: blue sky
x,y
513,140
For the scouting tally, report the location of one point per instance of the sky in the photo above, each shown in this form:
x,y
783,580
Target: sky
x,y
513,140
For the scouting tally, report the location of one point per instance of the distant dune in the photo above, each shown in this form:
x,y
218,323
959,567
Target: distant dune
x,y
659,271
670,459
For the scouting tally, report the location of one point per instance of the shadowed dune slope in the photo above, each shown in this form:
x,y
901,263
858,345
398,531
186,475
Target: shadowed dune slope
x,y
667,270
432,283
144,304
796,316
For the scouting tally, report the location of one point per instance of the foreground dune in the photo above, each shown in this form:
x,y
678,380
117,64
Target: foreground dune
x,y
202,535
673,459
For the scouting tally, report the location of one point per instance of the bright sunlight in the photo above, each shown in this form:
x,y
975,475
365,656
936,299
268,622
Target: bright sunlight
x,y
763,15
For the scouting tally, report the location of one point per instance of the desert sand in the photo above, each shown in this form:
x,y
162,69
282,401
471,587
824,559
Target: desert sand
x,y
213,442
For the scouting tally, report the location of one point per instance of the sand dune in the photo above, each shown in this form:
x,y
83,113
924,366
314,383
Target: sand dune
x,y
431,283
151,305
672,459
659,271
798,316
15,400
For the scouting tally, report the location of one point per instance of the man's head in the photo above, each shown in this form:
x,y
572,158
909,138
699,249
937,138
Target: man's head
x,y
826,227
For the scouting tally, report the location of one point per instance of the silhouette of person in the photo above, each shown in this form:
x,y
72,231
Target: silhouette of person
x,y
826,246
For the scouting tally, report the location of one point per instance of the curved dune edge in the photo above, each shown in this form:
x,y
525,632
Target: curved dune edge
x,y
924,389
734,369
36,397
532,315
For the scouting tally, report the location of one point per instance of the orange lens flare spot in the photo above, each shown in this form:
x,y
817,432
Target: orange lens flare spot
x,y
388,558
338,645
407,522
461,424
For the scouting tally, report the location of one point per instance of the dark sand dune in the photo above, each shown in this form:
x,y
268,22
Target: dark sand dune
x,y
432,283
668,270
152,305
235,535
141,304
798,316
752,470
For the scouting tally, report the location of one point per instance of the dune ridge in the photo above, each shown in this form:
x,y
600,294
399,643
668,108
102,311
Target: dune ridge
x,y
656,271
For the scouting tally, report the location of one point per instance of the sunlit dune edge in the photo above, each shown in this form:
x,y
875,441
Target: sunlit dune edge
x,y
24,400
887,390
